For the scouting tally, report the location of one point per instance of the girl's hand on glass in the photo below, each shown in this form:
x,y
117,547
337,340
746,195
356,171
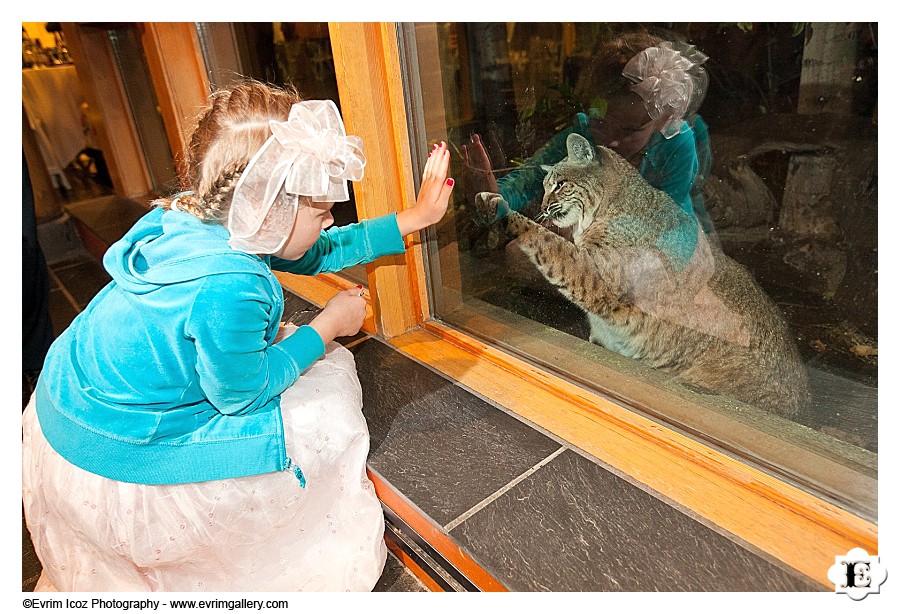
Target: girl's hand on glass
x,y
342,316
479,171
434,193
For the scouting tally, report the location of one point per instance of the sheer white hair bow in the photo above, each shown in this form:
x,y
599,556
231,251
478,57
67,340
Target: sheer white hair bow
x,y
309,155
669,82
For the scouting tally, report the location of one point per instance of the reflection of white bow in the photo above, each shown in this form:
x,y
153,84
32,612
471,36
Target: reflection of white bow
x,y
662,77
323,158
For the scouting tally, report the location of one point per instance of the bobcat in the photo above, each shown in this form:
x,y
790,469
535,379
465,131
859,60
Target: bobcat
x,y
652,285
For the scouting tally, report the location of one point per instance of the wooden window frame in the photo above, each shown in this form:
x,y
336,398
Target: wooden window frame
x,y
800,529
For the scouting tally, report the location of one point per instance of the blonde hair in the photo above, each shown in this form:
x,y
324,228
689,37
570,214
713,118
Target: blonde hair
x,y
230,129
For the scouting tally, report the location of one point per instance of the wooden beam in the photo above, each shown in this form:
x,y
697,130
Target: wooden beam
x,y
368,75
179,78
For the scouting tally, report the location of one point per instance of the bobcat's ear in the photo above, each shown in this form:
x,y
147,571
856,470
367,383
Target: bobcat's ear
x,y
580,149
546,168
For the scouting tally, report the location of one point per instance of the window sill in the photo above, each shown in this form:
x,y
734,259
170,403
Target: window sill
x,y
321,288
837,471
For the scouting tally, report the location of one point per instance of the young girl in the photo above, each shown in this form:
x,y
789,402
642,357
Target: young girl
x,y
173,442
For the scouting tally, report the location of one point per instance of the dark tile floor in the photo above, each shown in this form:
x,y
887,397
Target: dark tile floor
x,y
608,535
442,447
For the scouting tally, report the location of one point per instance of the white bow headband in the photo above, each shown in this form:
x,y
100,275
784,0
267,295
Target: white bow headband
x,y
670,80
308,155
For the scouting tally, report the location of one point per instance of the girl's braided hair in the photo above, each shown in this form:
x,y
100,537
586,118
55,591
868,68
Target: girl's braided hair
x,y
232,127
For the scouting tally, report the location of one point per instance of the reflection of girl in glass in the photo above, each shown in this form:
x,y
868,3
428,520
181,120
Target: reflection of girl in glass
x,y
652,89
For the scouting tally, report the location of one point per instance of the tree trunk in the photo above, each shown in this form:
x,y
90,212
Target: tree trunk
x,y
829,64
826,86
807,209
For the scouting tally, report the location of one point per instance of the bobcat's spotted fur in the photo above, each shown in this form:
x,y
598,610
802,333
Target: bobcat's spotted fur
x,y
653,287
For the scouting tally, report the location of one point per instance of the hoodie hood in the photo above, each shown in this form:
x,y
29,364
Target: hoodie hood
x,y
169,247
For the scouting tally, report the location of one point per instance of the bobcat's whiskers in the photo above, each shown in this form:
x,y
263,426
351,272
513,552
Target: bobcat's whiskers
x,y
549,213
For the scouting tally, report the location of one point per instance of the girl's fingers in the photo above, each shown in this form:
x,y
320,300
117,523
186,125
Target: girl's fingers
x,y
443,165
429,163
440,161
437,159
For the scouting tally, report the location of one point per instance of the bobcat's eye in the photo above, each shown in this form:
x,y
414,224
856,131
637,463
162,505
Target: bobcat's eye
x,y
559,184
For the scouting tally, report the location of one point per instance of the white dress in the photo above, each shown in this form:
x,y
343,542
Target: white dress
x,y
258,533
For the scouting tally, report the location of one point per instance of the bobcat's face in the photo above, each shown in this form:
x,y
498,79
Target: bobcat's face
x,y
563,202
580,188
571,188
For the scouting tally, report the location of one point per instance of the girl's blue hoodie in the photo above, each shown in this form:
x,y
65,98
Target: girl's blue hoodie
x,y
170,375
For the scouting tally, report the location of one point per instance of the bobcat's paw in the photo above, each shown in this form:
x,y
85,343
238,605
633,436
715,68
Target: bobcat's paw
x,y
489,207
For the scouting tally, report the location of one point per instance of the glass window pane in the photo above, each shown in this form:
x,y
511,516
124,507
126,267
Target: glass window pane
x,y
683,218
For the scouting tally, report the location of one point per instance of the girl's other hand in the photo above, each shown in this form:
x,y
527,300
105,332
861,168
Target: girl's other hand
x,y
342,316
434,194
479,173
